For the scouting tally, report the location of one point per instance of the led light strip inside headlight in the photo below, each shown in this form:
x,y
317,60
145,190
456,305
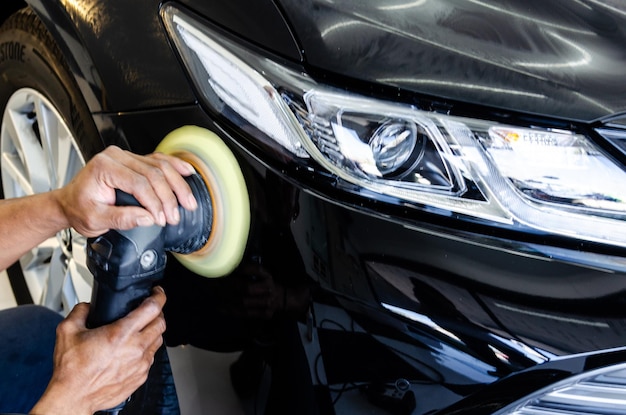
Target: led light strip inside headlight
x,y
548,180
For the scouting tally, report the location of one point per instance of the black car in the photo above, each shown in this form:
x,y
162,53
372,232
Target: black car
x,y
437,188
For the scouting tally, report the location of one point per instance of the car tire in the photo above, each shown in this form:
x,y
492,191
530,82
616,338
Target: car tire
x,y
46,128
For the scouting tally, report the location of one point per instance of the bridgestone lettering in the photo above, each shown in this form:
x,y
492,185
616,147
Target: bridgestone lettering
x,y
12,51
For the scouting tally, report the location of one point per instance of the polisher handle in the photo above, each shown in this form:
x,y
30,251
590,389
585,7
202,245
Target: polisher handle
x,y
125,265
109,304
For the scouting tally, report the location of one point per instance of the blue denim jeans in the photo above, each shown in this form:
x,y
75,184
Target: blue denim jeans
x,y
27,335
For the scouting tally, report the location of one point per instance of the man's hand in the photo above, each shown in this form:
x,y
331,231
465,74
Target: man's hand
x,y
155,180
88,203
99,368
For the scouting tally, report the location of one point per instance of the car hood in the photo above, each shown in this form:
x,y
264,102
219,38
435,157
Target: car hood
x,y
563,59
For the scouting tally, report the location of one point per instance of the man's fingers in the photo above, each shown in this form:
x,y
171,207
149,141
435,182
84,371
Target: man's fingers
x,y
75,321
79,314
158,197
181,166
154,180
168,187
127,217
153,337
138,184
149,310
174,169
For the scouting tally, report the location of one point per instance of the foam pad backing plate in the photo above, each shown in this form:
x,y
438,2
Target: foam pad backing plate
x,y
220,170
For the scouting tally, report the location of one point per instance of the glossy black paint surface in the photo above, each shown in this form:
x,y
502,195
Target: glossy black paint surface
x,y
258,21
558,58
118,70
394,296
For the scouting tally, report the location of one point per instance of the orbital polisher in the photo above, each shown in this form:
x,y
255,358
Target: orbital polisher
x,y
210,241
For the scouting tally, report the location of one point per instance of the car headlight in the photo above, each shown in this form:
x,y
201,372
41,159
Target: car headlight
x,y
599,392
545,179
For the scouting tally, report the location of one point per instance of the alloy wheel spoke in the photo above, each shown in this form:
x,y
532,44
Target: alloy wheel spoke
x,y
58,146
12,162
39,256
51,297
48,126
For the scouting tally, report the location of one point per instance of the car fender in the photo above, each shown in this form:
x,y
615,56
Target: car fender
x,y
143,74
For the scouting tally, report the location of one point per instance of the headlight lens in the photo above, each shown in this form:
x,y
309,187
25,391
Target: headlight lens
x,y
549,180
226,82
600,392
557,167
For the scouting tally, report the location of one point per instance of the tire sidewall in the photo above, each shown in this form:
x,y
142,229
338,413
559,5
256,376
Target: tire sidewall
x,y
28,60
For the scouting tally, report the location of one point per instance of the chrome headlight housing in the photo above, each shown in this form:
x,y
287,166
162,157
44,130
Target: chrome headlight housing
x,y
540,179
600,392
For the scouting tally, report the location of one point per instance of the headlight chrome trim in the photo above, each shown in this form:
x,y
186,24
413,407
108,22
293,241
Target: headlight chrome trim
x,y
601,392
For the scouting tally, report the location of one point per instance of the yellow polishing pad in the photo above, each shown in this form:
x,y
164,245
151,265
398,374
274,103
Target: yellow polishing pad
x,y
222,175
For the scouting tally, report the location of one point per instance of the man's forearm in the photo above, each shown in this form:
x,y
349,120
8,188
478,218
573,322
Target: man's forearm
x,y
26,222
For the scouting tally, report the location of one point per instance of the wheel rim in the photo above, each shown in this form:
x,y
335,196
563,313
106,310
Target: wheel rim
x,y
38,154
